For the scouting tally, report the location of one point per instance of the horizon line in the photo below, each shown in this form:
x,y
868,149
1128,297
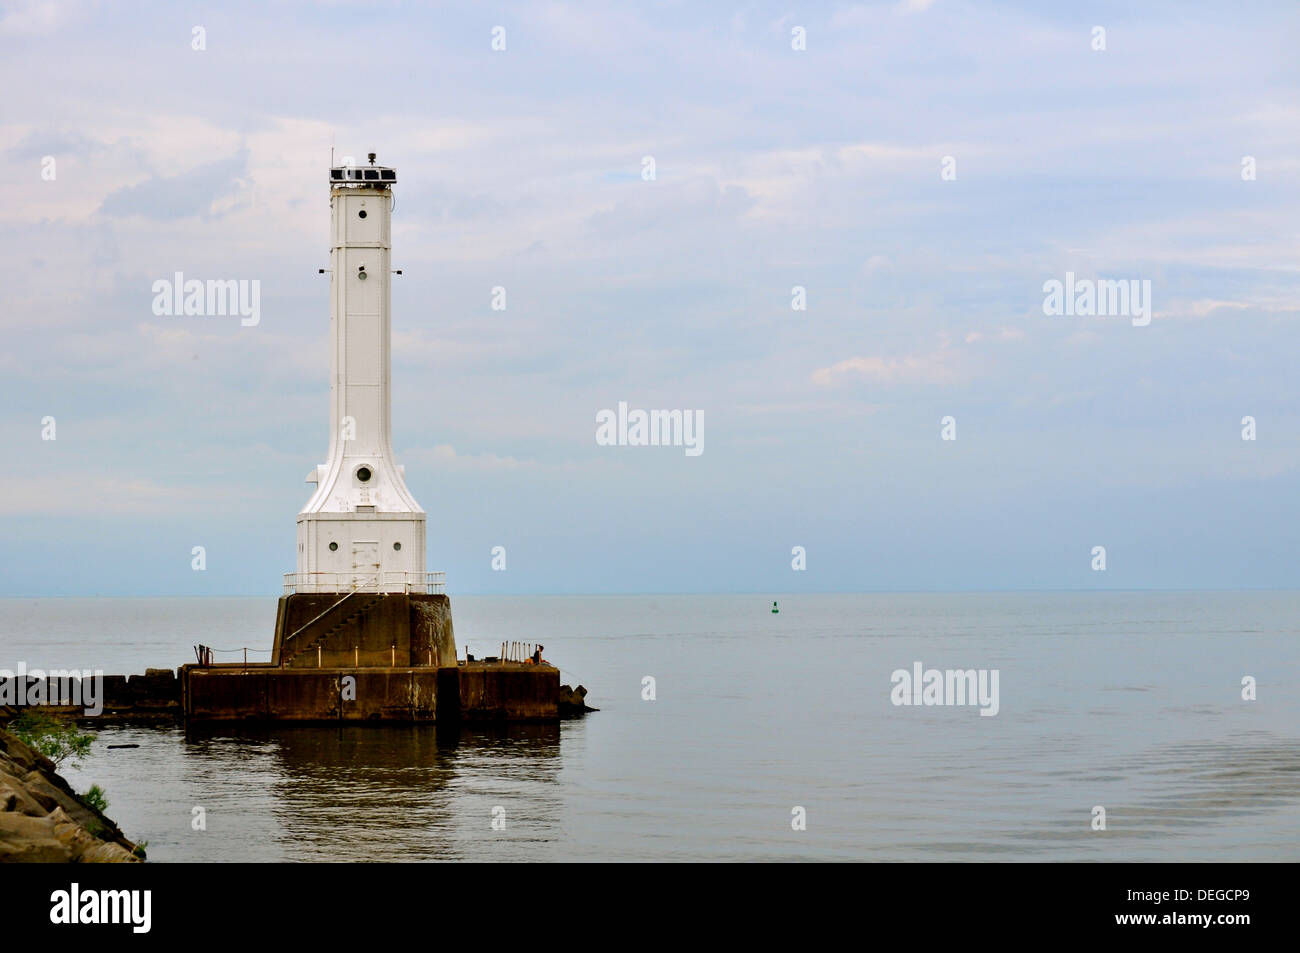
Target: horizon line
x,y
728,592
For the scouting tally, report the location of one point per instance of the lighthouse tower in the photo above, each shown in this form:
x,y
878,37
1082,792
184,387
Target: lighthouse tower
x,y
362,631
361,530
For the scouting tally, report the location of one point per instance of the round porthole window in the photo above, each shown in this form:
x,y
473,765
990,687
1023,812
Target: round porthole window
x,y
363,474
334,547
397,545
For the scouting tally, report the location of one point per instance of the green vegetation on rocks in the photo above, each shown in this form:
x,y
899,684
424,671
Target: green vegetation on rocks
x,y
41,818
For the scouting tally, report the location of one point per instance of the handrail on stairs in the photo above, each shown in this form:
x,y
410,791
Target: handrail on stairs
x,y
304,627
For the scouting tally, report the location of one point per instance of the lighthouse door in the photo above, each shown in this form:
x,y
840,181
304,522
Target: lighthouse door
x,y
365,564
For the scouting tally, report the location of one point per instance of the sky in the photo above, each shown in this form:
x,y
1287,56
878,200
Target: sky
x,y
919,169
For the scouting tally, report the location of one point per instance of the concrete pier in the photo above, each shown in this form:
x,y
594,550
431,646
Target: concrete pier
x,y
474,691
355,656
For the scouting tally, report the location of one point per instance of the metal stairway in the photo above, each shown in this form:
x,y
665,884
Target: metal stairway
x,y
347,609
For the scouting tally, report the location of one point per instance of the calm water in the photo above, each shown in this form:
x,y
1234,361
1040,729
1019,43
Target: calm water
x,y
1127,700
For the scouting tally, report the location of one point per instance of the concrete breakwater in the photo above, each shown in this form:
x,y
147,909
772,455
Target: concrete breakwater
x,y
351,656
42,818
154,696
468,691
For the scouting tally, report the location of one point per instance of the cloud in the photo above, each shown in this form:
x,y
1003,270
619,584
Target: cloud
x,y
1208,306
446,456
932,368
79,494
1001,334
197,192
34,17
39,143
699,202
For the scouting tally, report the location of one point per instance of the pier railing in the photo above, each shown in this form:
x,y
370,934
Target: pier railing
x,y
408,582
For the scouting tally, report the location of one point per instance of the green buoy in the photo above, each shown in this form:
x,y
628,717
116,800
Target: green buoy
x,y
775,610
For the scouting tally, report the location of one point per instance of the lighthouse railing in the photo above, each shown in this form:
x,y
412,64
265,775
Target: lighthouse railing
x,y
365,581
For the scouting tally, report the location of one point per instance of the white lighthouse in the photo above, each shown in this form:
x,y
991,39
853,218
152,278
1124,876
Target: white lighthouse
x,y
361,530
